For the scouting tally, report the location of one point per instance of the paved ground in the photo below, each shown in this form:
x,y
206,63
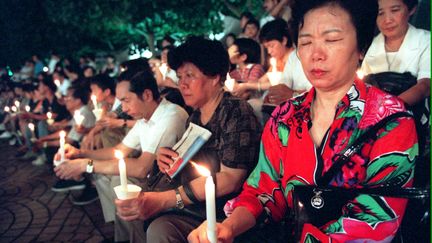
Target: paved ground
x,y
31,212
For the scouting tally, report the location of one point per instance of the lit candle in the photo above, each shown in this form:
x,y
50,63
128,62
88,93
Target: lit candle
x,y
31,126
229,83
17,103
273,63
57,83
274,76
360,74
7,109
122,169
62,145
78,118
163,69
27,108
45,69
94,101
210,202
14,109
50,121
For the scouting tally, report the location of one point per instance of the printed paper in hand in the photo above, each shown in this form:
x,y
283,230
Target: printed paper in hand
x,y
190,143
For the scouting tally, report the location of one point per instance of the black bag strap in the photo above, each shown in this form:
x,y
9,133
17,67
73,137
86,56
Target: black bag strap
x,y
344,157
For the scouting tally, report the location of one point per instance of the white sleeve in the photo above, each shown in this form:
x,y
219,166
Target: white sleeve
x,y
424,70
132,139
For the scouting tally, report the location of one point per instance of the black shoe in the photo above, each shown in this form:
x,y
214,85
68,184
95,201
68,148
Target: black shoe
x,y
88,196
67,185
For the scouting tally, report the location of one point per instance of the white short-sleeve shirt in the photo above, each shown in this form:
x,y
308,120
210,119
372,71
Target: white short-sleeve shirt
x,y
164,129
293,75
413,55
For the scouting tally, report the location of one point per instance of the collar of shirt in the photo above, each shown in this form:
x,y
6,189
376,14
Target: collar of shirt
x,y
158,113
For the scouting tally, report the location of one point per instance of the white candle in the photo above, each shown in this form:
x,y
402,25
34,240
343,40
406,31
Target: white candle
x,y
210,202
7,109
50,121
163,69
229,83
32,129
274,76
27,108
78,118
94,101
122,169
62,145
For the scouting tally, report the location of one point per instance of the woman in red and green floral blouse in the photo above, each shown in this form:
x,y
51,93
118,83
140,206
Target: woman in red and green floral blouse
x,y
302,138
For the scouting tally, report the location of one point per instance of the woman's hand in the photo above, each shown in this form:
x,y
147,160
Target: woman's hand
x,y
165,157
199,235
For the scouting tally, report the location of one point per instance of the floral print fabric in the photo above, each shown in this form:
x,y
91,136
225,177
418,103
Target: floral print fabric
x,y
288,157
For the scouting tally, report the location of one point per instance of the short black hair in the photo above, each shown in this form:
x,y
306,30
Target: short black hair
x,y
249,47
276,30
80,91
136,65
253,22
209,56
247,14
410,4
49,82
139,82
362,14
104,82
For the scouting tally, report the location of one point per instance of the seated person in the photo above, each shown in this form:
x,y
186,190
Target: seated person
x,y
304,136
160,123
245,54
231,151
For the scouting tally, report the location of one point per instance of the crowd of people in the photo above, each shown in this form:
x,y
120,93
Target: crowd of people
x,y
282,100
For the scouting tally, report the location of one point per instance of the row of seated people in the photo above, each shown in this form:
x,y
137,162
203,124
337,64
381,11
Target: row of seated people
x,y
155,125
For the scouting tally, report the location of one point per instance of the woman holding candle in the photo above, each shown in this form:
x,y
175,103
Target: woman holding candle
x,y
301,139
230,152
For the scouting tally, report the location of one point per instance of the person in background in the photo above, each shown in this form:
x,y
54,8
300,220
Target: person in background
x,y
245,54
251,29
331,36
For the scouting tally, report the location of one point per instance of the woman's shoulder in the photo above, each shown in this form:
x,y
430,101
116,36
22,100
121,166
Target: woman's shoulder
x,y
378,105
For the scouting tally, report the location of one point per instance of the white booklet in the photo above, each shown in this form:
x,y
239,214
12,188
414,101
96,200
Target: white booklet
x,y
190,143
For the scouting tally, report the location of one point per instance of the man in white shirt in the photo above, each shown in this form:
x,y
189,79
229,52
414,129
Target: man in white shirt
x,y
160,124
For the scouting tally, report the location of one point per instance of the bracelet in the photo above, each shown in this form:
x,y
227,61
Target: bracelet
x,y
189,193
259,86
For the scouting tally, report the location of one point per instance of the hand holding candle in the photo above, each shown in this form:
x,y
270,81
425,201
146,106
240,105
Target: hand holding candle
x,y
163,69
210,202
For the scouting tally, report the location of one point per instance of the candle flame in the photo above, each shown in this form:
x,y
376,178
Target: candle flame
x,y
62,134
27,108
201,169
57,82
49,115
45,69
31,126
14,109
118,154
7,108
360,74
17,103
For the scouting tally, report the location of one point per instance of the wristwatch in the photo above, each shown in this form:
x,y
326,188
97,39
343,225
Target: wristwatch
x,y
89,168
179,200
